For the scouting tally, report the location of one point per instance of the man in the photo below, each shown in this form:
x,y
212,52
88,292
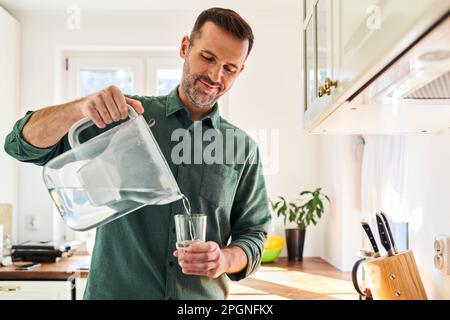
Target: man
x,y
134,257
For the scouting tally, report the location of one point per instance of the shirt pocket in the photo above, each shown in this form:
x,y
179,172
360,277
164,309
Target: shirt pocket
x,y
218,184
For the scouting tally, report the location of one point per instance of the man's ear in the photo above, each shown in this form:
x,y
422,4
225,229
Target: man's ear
x,y
185,42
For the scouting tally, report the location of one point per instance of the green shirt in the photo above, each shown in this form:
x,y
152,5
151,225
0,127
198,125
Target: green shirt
x,y
132,257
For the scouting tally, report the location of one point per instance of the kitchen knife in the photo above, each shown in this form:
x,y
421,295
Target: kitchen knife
x,y
384,236
372,240
388,228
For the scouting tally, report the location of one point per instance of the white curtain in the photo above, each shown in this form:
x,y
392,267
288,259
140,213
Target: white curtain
x,y
383,177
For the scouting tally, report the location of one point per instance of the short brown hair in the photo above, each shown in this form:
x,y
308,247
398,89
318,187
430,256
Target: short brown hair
x,y
229,21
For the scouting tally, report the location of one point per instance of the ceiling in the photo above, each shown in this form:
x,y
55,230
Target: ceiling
x,y
189,5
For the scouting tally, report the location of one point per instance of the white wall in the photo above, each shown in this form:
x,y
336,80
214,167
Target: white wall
x,y
427,159
340,160
428,176
267,94
9,104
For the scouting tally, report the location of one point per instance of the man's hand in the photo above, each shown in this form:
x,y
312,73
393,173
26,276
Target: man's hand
x,y
107,106
203,259
208,259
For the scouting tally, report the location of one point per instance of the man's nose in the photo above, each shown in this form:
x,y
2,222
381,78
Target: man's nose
x,y
215,73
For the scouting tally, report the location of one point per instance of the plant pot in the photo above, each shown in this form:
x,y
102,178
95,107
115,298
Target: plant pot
x,y
295,240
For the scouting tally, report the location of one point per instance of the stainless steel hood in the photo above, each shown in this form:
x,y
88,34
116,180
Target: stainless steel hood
x,y
422,73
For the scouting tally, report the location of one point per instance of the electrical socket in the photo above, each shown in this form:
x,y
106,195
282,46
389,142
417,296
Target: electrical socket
x,y
442,253
31,222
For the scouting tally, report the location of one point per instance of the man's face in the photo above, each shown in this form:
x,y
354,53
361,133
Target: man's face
x,y
212,62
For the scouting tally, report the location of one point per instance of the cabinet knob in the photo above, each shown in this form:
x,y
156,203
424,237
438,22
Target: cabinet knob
x,y
330,84
321,92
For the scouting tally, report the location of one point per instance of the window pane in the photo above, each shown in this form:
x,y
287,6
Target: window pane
x,y
322,48
93,80
400,232
168,79
310,66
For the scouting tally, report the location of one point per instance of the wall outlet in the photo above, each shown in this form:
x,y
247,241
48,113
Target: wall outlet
x,y
442,253
31,222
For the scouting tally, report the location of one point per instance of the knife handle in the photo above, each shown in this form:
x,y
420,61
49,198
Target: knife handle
x,y
384,237
388,228
372,240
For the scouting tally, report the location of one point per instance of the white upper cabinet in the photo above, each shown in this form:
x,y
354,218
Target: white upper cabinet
x,y
347,43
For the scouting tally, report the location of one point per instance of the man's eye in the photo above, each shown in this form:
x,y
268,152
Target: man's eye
x,y
208,58
230,70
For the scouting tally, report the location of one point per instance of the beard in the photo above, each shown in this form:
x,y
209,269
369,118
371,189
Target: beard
x,y
194,89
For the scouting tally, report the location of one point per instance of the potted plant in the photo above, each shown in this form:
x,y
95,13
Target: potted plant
x,y
302,212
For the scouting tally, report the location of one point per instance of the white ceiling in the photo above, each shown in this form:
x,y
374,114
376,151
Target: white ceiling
x,y
190,5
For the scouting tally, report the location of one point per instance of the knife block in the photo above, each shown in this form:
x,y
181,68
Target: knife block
x,y
394,278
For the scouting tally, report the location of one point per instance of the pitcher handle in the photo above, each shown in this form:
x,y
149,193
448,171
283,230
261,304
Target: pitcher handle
x,y
85,123
355,278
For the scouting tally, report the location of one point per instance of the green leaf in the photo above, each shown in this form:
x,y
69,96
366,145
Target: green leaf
x,y
301,211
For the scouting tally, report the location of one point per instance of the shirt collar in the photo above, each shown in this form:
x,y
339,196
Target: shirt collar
x,y
174,105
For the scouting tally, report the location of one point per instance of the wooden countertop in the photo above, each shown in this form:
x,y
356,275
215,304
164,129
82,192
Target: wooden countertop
x,y
311,279
75,266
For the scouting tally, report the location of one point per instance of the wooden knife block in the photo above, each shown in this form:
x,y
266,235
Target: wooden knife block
x,y
394,278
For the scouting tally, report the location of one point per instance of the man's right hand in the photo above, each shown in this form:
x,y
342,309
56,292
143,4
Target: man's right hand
x,y
107,106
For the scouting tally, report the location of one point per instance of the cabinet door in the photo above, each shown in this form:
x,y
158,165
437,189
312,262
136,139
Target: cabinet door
x,y
80,288
309,63
366,31
318,60
308,6
36,290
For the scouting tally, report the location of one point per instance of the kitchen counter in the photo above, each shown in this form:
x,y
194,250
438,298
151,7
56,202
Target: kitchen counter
x,y
75,266
311,279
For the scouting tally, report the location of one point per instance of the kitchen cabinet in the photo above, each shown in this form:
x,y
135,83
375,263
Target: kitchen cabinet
x,y
365,31
62,280
36,290
346,43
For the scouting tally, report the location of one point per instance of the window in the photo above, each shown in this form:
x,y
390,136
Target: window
x,y
86,75
92,80
168,79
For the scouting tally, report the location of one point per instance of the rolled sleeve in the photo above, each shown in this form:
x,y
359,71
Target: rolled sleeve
x,y
251,216
21,150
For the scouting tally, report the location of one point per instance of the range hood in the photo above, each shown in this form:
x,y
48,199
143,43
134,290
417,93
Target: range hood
x,y
410,95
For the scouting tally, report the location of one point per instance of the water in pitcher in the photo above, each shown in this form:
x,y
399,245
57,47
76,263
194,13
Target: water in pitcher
x,y
110,204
